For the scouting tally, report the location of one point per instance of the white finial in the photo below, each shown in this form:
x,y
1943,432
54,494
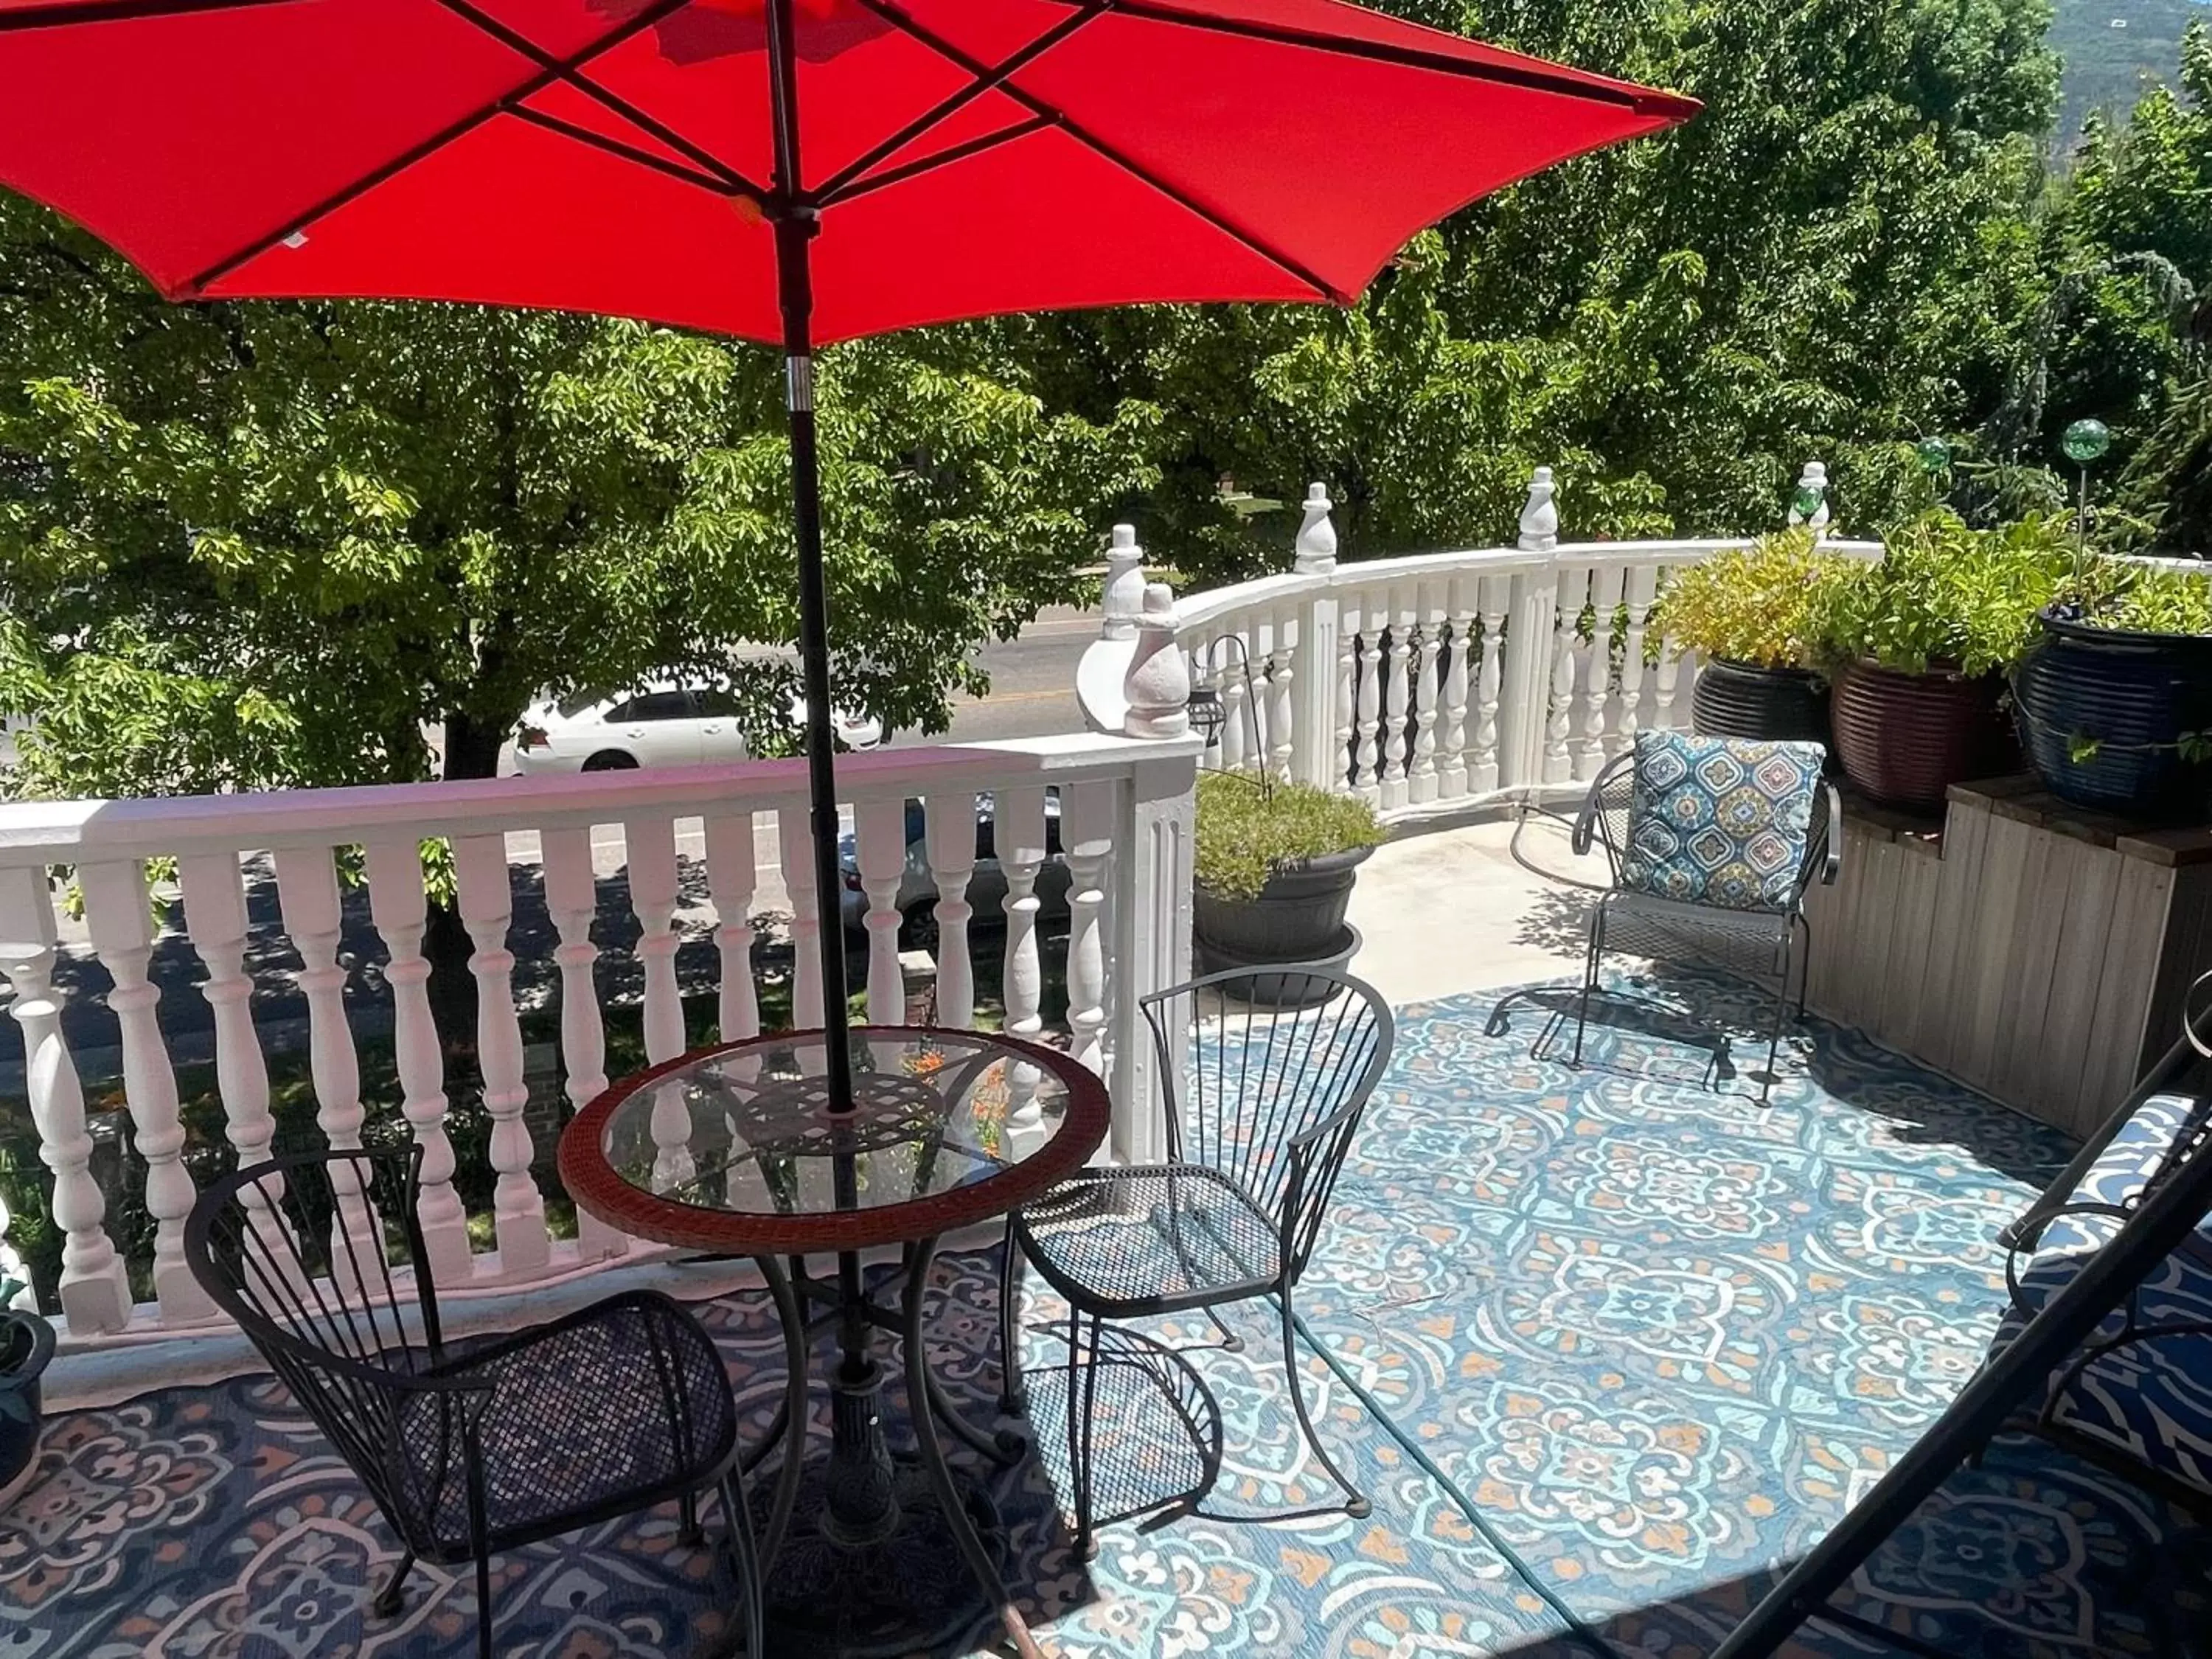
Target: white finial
x,y
1124,596
1540,519
1158,685
1812,485
1317,543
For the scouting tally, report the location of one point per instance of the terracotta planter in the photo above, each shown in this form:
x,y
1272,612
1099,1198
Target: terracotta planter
x,y
1904,739
1768,705
2130,695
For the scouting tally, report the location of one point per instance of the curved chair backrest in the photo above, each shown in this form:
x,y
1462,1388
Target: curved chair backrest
x,y
1280,1064
300,1251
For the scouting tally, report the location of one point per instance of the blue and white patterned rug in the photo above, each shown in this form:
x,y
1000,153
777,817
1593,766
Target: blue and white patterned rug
x,y
1622,1340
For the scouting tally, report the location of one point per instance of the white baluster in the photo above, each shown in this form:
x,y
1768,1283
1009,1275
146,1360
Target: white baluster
x,y
1568,594
95,1291
951,842
518,1210
572,899
880,826
1496,593
396,904
1452,733
1428,695
1086,830
649,846
308,893
1018,835
1321,722
732,865
215,922
1282,699
796,844
1345,702
117,913
1232,668
1597,687
1370,619
1663,687
1152,948
1643,590
1397,696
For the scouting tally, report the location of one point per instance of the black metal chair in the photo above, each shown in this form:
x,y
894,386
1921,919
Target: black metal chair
x,y
1750,942
1277,1074
468,1449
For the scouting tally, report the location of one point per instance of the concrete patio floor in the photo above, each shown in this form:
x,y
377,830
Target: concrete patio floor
x,y
1603,1345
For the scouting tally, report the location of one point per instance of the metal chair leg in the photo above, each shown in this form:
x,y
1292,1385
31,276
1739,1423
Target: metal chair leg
x,y
1231,1342
1013,1395
1805,966
745,1565
1086,1546
484,1605
1781,1013
1590,975
1357,1504
687,1531
390,1599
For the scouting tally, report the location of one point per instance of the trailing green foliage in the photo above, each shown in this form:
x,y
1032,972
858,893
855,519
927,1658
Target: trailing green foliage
x,y
1248,830
1752,604
1944,596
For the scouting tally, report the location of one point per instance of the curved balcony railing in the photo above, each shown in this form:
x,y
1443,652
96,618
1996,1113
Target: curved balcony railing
x,y
1431,685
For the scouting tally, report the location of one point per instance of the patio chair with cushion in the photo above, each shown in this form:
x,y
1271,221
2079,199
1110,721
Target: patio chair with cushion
x,y
468,1449
1260,1115
2137,1396
1712,843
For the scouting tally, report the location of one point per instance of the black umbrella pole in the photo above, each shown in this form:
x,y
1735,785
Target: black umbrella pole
x,y
792,237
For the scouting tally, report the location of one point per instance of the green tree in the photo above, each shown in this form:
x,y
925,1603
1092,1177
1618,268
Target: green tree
x,y
259,545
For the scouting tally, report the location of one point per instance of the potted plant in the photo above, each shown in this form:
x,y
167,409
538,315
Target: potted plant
x,y
1917,647
1745,613
1275,865
26,1345
2114,696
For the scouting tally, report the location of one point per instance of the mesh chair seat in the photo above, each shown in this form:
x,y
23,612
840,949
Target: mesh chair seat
x,y
1151,1239
602,1412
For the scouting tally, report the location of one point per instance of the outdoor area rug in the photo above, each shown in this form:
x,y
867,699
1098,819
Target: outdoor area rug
x,y
1604,1346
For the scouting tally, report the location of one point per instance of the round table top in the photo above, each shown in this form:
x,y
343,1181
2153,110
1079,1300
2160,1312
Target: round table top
x,y
735,1148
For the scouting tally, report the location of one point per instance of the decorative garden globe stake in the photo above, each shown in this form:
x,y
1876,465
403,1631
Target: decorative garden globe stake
x,y
2085,443
1934,457
1806,501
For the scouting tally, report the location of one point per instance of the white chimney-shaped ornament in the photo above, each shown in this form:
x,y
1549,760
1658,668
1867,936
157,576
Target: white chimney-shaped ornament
x,y
1158,687
1317,543
1540,519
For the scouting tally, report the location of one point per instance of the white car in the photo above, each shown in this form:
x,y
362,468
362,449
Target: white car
x,y
659,725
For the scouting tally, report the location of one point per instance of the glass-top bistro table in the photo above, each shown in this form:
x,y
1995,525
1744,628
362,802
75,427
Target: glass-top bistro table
x,y
737,1151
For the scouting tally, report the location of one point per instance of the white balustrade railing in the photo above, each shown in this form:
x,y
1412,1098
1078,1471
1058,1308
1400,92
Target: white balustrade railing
x,y
1125,810
1430,686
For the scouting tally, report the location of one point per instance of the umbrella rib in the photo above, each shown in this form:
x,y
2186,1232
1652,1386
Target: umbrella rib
x,y
569,73
1067,123
644,158
192,286
119,11
937,158
952,103
1531,76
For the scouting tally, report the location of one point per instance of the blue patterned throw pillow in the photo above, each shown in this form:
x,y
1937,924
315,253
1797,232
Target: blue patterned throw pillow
x,y
1718,820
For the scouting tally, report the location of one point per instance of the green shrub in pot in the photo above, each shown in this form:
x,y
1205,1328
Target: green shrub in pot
x,y
2115,694
1917,647
1747,613
1275,864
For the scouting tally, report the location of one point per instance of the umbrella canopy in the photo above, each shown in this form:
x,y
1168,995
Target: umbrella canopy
x,y
794,171
962,157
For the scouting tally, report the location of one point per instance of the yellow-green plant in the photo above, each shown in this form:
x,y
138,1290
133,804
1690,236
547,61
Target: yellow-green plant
x,y
2130,597
1246,832
1944,596
1751,605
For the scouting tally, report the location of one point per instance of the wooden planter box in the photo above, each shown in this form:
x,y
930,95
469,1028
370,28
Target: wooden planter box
x,y
2034,950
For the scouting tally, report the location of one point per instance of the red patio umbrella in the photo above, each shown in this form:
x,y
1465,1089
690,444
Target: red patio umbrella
x,y
794,171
